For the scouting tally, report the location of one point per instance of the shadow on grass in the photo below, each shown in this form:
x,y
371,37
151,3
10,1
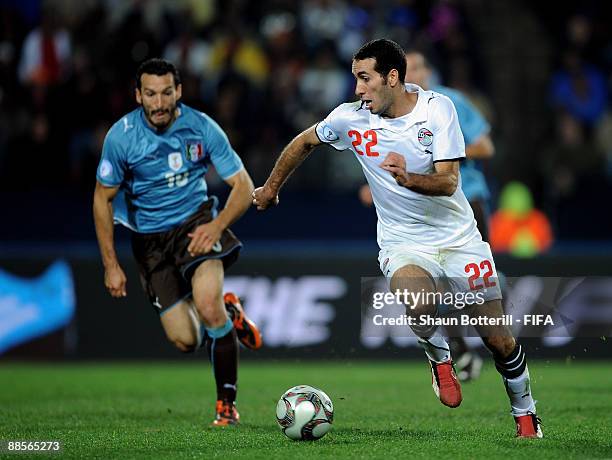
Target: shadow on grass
x,y
350,435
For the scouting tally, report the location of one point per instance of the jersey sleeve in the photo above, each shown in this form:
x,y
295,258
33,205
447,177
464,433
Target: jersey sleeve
x,y
329,130
448,141
112,166
472,123
225,160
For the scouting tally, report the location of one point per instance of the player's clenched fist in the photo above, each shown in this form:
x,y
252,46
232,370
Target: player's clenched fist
x,y
263,198
394,159
396,165
115,281
204,237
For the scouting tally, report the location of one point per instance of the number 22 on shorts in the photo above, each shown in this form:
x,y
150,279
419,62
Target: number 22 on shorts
x,y
474,269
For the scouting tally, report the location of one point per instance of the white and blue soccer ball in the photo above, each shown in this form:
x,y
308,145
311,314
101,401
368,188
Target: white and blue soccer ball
x,y
304,413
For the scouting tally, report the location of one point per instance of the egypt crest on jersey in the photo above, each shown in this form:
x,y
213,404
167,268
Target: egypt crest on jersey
x,y
428,134
425,137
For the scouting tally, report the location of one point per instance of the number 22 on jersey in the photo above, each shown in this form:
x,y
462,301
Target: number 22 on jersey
x,y
372,138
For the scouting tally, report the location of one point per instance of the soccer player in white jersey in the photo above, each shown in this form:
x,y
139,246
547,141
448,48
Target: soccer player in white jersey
x,y
409,145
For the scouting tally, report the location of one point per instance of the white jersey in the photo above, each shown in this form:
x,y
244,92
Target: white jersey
x,y
428,134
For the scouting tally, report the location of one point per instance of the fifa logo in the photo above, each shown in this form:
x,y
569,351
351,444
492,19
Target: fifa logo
x,y
175,161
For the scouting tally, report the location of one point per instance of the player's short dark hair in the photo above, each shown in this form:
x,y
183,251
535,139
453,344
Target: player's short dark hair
x,y
388,55
158,67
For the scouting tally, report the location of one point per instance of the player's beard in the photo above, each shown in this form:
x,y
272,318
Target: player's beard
x,y
383,101
162,126
386,103
383,109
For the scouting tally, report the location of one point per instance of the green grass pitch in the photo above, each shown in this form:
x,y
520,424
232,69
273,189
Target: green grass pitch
x,y
382,410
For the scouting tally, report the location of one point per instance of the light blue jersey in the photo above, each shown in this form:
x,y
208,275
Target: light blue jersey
x,y
161,176
472,125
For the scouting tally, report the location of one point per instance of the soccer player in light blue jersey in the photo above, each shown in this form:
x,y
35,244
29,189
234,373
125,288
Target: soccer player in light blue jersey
x,y
151,179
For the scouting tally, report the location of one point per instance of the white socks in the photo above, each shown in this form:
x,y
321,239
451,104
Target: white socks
x,y
436,348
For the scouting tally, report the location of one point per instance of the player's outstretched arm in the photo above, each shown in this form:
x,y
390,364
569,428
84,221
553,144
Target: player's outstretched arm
x,y
288,161
114,277
443,182
206,235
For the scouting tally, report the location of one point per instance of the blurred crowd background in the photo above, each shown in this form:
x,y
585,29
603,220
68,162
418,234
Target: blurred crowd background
x,y
267,69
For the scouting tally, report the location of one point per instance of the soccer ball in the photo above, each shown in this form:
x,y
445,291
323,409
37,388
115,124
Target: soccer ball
x,y
304,413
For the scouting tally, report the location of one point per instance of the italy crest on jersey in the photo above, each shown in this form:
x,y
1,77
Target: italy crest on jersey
x,y
175,161
194,151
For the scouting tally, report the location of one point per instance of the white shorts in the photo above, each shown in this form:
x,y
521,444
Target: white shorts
x,y
468,268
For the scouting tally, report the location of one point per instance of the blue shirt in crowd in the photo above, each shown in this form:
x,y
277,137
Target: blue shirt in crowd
x,y
473,125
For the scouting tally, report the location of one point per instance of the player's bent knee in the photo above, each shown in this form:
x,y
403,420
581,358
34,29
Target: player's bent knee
x,y
183,342
212,312
185,347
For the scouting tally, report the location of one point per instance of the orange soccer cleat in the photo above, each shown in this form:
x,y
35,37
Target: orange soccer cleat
x,y
226,415
246,330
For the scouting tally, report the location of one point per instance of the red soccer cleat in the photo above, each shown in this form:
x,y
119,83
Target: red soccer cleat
x,y
445,384
528,426
227,415
246,330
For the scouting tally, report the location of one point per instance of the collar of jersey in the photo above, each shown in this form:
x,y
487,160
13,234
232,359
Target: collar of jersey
x,y
401,124
180,108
